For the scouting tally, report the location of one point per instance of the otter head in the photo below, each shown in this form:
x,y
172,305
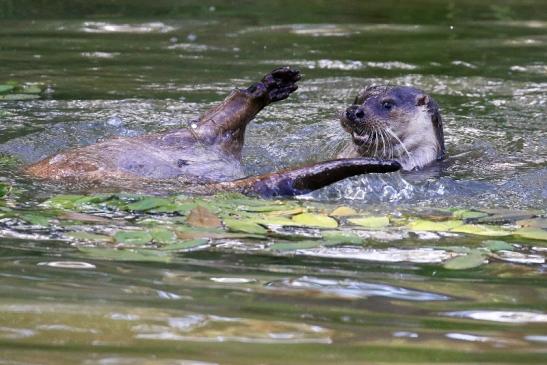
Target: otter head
x,y
394,122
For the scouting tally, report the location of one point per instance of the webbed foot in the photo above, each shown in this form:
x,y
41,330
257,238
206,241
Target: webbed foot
x,y
277,85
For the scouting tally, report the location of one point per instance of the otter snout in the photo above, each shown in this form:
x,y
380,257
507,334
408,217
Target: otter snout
x,y
355,113
353,117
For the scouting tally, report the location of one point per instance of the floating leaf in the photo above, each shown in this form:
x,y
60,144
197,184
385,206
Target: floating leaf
x,y
4,88
163,235
343,212
482,230
93,237
3,190
315,220
148,203
473,259
287,212
425,225
468,214
494,245
294,246
338,237
180,208
277,221
370,222
31,89
245,226
202,217
532,233
133,237
35,219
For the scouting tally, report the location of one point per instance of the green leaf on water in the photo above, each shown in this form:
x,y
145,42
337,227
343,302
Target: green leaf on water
x,y
468,214
31,89
4,88
3,190
371,222
315,220
245,226
495,245
163,235
277,221
482,230
148,203
35,219
338,237
473,259
283,246
133,237
425,225
72,202
532,233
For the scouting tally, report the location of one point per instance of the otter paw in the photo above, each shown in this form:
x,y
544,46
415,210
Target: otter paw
x,y
277,85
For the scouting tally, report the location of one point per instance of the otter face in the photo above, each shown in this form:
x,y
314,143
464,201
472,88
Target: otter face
x,y
399,122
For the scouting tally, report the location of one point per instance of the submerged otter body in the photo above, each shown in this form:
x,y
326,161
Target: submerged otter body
x,y
207,155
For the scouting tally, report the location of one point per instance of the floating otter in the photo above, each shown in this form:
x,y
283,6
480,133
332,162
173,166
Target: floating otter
x,y
207,156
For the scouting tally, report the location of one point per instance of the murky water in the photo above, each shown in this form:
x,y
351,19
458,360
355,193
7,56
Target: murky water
x,y
130,67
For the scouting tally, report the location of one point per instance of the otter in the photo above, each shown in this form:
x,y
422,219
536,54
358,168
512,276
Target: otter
x,y
394,122
206,156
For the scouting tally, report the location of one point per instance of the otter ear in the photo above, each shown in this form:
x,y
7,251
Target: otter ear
x,y
360,98
422,100
364,94
437,122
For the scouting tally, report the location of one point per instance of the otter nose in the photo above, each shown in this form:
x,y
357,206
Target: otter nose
x,y
354,113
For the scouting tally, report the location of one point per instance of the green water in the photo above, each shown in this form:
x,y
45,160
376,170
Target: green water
x,y
295,296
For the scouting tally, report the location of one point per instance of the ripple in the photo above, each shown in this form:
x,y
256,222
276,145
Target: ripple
x,y
338,30
15,333
68,264
232,280
209,328
356,289
468,337
501,316
104,27
100,54
345,65
520,258
423,255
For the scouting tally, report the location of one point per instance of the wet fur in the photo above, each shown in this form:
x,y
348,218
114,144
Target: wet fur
x,y
206,157
410,132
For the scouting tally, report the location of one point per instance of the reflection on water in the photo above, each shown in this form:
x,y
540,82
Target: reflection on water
x,y
126,68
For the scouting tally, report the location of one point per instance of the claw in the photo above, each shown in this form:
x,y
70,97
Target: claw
x,y
277,85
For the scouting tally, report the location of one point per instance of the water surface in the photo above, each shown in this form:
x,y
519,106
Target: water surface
x,y
129,67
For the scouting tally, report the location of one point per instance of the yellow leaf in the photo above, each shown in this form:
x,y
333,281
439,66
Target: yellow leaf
x,y
315,220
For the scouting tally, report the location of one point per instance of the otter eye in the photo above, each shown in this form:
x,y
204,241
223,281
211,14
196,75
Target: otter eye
x,y
388,104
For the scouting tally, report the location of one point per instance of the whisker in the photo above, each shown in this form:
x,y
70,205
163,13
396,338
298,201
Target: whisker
x,y
410,156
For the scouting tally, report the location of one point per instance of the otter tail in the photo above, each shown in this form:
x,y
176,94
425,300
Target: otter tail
x,y
305,179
